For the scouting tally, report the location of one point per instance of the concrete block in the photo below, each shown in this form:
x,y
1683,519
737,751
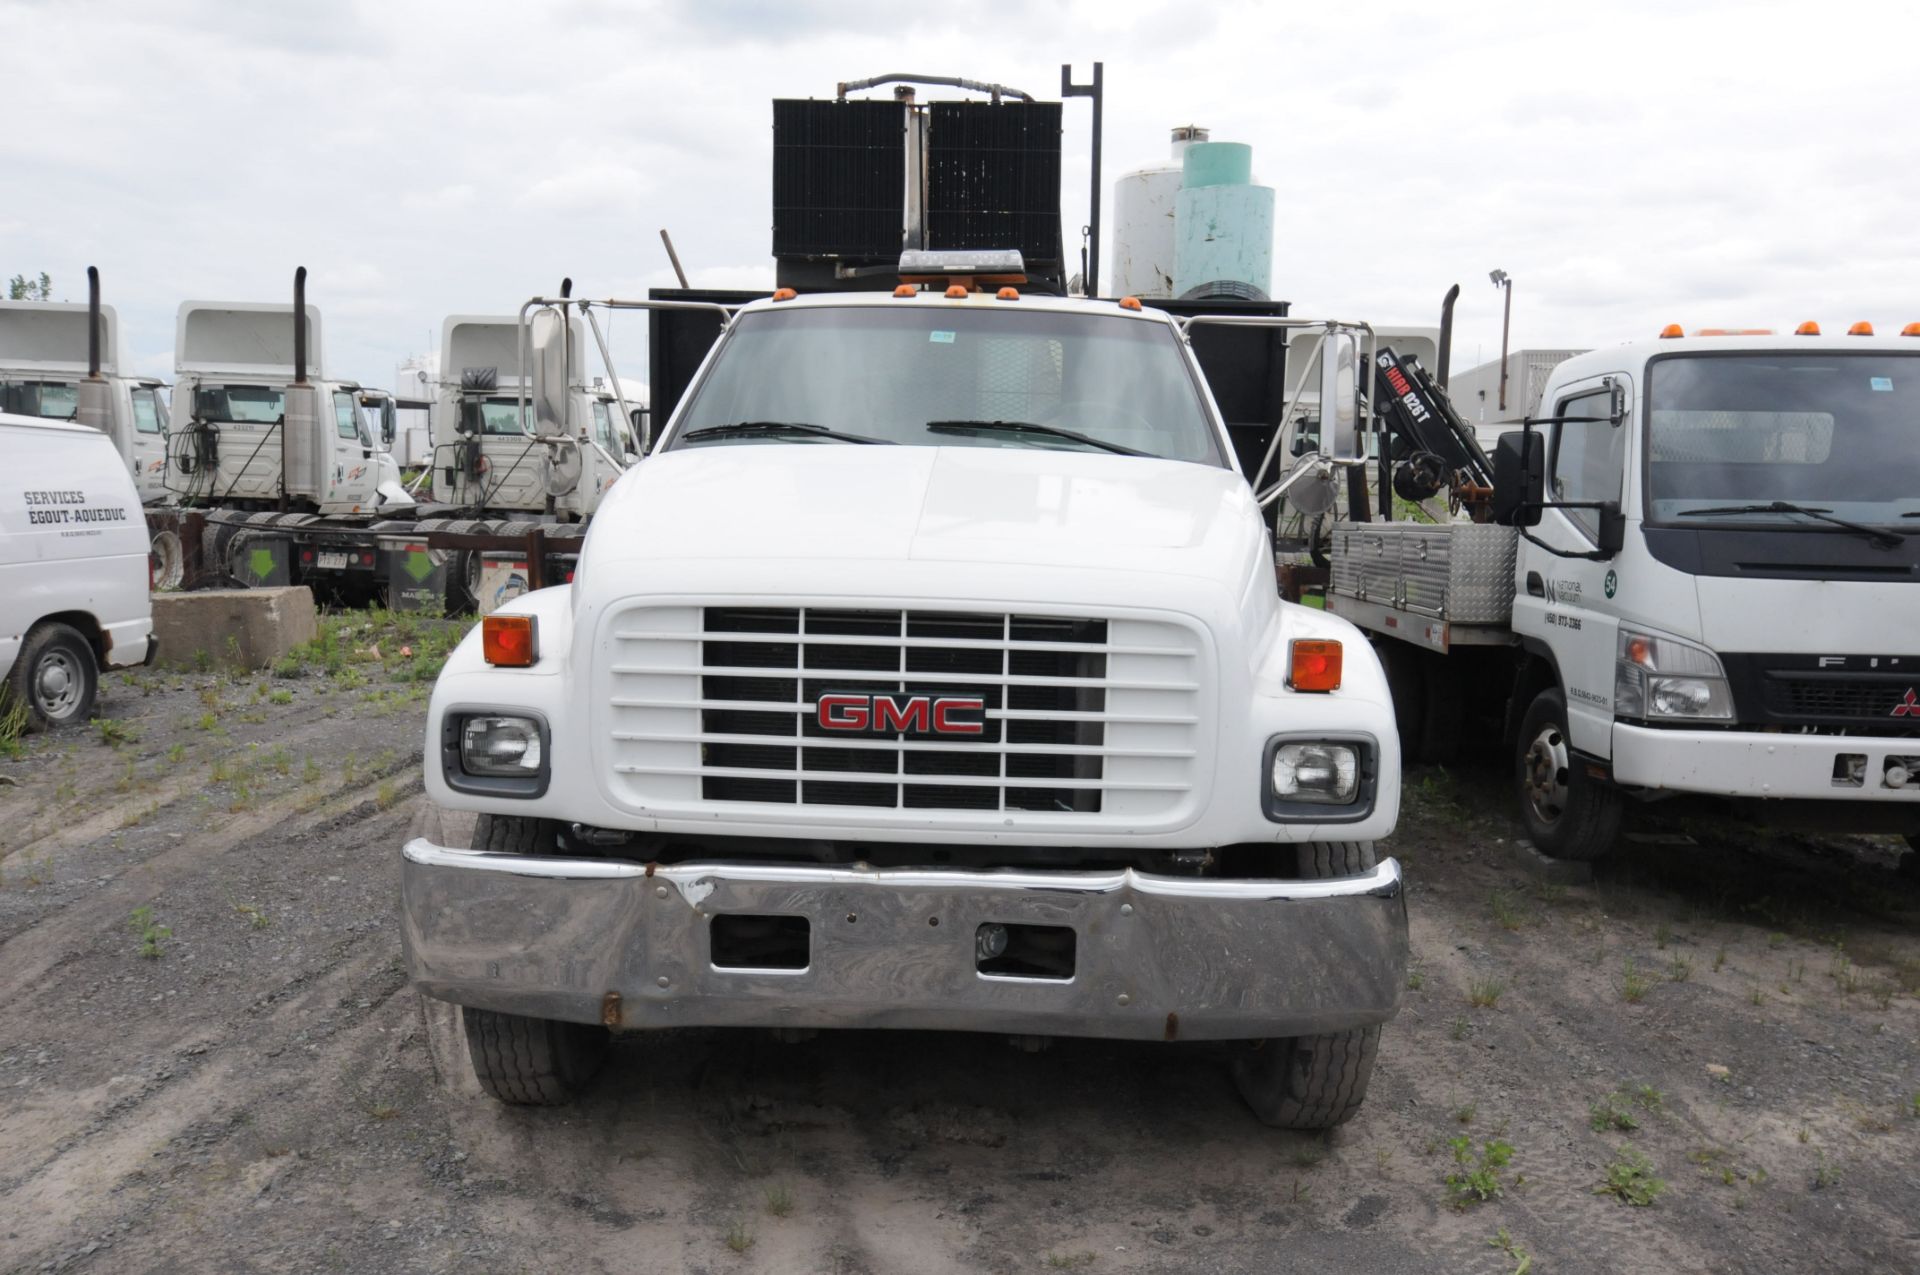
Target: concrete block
x,y
1522,855
236,628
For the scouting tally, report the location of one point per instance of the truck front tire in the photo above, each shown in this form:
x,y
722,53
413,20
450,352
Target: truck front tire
x,y
55,676
1568,813
528,1062
1312,1082
532,1062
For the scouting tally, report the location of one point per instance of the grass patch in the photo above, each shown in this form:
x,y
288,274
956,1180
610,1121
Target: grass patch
x,y
1484,993
780,1200
1476,1179
738,1237
1507,912
1634,985
1630,1179
152,934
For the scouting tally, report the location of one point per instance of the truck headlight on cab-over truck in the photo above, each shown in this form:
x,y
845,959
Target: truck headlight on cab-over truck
x,y
1660,678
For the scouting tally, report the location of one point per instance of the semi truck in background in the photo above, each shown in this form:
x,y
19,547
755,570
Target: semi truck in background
x,y
1692,580
494,455
56,365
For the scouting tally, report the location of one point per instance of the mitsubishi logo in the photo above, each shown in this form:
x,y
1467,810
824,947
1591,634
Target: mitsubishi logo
x,y
1908,707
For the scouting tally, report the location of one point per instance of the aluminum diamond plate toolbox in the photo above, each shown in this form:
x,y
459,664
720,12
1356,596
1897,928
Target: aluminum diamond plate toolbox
x,y
1461,572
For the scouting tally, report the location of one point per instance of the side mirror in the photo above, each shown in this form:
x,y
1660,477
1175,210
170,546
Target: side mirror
x,y
1339,394
389,417
547,339
1519,478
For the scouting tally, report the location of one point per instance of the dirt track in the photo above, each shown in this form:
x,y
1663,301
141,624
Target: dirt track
x,y
262,1095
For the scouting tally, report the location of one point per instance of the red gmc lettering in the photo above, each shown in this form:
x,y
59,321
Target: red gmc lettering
x,y
844,712
945,725
890,714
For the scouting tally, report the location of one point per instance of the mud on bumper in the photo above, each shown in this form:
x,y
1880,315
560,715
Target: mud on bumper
x,y
1152,957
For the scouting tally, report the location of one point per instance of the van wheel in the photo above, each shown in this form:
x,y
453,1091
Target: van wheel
x,y
55,677
1568,813
1312,1082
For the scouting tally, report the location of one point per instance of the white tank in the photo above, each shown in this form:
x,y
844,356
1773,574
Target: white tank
x,y
1143,214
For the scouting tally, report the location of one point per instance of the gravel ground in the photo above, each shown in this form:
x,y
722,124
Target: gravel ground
x,y
261,1091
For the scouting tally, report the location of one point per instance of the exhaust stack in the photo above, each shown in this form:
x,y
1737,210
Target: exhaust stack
x,y
93,406
300,326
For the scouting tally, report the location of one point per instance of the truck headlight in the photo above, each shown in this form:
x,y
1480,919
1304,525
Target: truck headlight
x,y
495,752
1323,773
1664,678
1319,780
500,746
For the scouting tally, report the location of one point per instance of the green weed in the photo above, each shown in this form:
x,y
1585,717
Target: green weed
x,y
152,934
779,1200
1484,993
1476,1180
1630,1178
1633,984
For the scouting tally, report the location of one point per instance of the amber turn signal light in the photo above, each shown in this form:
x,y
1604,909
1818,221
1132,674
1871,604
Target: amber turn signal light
x,y
1313,664
509,641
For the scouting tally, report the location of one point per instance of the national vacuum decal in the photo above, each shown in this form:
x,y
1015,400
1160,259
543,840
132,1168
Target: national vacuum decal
x,y
69,509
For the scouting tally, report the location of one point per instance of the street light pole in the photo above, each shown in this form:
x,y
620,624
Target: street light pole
x,y
1504,281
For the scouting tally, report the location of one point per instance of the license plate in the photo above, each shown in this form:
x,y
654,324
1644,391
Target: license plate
x,y
333,561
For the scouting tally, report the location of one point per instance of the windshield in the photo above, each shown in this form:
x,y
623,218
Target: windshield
x,y
54,400
242,404
1834,432
888,373
500,416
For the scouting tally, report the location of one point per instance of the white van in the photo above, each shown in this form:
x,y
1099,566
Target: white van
x,y
73,568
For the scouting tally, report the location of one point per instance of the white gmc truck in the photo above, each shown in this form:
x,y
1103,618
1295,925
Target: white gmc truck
x,y
930,674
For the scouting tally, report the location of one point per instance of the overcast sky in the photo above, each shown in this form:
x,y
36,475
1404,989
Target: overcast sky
x,y
1628,164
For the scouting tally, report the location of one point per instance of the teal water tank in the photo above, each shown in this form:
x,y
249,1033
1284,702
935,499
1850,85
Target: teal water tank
x,y
1223,224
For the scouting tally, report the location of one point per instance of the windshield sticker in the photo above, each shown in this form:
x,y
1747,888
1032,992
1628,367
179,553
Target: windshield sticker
x,y
940,338
1881,382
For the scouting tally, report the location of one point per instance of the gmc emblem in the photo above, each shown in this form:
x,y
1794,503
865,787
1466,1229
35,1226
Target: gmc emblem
x,y
889,714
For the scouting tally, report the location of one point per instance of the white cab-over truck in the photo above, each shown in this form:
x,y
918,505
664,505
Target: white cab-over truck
x,y
488,455
930,673
1708,587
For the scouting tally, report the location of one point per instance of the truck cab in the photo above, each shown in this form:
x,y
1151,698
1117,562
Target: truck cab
x,y
488,453
43,359
235,444
1747,625
930,673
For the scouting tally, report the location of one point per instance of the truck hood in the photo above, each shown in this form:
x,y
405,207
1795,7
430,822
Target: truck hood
x,y
981,505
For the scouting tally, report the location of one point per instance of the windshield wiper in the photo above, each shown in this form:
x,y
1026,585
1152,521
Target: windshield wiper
x,y
1879,535
1028,427
778,427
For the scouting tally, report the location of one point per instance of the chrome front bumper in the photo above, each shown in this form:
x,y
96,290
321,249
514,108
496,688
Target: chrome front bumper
x,y
1157,957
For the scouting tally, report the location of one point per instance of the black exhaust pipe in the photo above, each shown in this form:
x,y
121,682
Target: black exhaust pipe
x,y
93,323
300,326
566,288
1446,335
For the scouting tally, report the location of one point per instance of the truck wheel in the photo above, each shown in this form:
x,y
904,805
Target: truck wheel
x,y
54,676
532,1062
1567,812
1312,1082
